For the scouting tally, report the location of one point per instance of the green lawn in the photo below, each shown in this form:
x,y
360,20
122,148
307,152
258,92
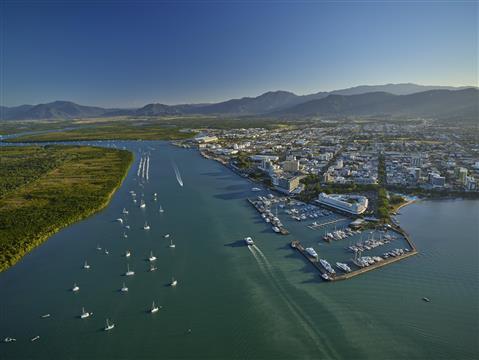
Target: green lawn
x,y
43,189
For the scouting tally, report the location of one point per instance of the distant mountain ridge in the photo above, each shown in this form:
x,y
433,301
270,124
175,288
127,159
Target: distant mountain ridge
x,y
432,103
392,99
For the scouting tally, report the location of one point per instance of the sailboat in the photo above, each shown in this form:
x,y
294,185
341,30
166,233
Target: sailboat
x,y
109,326
128,271
146,226
84,314
152,267
125,235
86,266
172,245
124,288
152,257
142,204
127,253
173,282
161,209
154,308
167,236
75,287
98,247
125,211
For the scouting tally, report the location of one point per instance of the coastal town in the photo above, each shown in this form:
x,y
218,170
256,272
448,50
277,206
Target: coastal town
x,y
352,176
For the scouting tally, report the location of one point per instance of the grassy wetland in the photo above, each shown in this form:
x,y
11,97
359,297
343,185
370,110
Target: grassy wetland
x,y
44,189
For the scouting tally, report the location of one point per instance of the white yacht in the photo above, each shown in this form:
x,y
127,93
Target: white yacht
x,y
124,288
35,338
255,189
128,271
75,287
152,257
45,316
167,236
84,314
154,308
146,226
106,252
127,253
142,204
86,266
311,252
173,282
120,220
109,326
172,245
276,229
248,240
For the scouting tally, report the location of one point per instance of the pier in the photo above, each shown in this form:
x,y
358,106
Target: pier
x,y
296,244
319,226
282,229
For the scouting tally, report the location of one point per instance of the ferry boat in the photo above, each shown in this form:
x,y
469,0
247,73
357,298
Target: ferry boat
x,y
128,271
173,282
311,252
75,287
109,326
154,308
146,226
124,288
172,246
84,314
152,257
86,266
248,240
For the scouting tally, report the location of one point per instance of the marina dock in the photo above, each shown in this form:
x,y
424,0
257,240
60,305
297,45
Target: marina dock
x,y
319,226
296,244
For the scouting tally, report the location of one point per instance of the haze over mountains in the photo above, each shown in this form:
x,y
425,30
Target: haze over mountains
x,y
388,100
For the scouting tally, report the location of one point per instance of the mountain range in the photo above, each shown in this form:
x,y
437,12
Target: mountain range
x,y
388,100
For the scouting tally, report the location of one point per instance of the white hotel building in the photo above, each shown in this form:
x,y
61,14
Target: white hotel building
x,y
352,204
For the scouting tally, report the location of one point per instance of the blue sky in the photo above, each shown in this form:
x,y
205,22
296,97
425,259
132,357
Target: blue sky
x,y
128,54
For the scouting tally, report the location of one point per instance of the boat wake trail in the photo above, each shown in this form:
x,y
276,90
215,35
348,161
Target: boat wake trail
x,y
296,310
177,173
143,171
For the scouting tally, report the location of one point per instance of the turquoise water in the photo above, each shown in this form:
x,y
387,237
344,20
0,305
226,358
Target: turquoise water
x,y
265,302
